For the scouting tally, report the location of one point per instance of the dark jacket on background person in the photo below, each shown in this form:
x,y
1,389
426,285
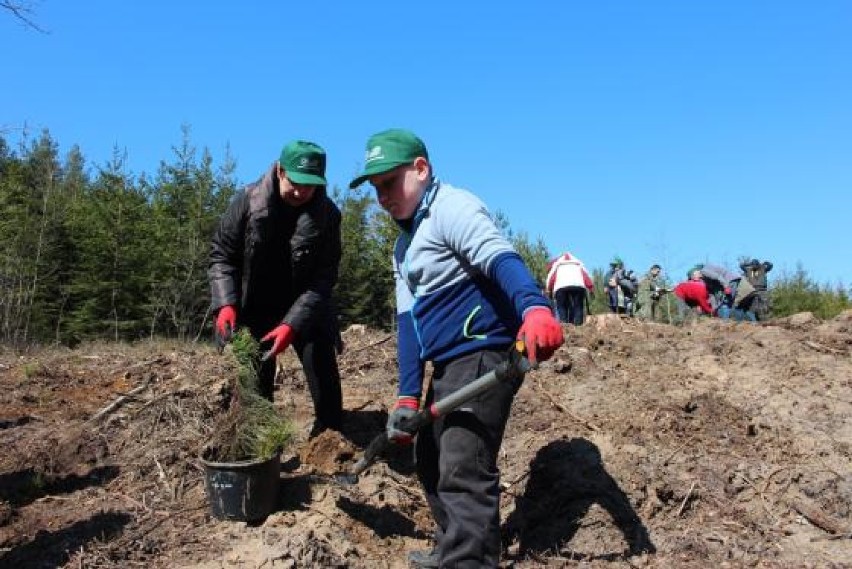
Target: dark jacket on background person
x,y
620,286
755,272
276,262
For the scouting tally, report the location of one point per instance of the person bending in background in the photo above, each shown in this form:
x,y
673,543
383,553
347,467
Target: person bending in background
x,y
692,296
569,283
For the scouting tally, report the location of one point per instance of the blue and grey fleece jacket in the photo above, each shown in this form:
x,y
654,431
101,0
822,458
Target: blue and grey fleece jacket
x,y
460,286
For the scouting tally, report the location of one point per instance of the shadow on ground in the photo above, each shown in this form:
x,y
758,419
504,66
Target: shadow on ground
x,y
384,521
566,478
25,486
54,548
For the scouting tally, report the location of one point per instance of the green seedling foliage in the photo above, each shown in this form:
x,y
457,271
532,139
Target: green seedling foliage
x,y
252,428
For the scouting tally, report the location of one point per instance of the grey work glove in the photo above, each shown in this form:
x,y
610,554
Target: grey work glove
x,y
405,408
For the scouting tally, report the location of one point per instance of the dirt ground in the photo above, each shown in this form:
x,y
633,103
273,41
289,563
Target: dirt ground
x,y
717,444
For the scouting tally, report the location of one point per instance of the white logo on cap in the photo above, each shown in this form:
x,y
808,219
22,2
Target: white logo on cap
x,y
375,153
306,163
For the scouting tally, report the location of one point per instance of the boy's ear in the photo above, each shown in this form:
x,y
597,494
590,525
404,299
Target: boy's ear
x,y
422,166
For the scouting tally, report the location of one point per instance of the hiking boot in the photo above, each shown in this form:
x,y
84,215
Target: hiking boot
x,y
423,559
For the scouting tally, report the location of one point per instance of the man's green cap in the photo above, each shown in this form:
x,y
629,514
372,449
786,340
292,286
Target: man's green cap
x,y
304,163
387,150
616,262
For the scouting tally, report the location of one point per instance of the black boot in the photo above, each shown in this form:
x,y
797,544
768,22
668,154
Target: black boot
x,y
423,559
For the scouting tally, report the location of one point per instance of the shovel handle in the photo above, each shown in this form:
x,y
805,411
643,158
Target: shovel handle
x,y
516,366
512,368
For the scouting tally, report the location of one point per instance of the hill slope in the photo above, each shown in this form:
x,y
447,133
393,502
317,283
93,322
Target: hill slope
x,y
717,444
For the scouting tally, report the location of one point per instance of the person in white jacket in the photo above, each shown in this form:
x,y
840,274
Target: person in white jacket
x,y
568,282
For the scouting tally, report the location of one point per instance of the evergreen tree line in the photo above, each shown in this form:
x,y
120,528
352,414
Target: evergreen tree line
x,y
115,256
108,255
112,255
798,292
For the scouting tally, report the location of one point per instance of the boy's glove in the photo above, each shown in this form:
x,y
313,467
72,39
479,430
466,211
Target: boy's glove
x,y
281,336
541,334
405,408
226,322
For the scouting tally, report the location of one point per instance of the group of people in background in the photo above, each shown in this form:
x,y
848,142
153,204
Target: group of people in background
x,y
715,291
710,290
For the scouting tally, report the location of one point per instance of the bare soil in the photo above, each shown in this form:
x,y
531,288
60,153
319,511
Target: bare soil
x,y
717,444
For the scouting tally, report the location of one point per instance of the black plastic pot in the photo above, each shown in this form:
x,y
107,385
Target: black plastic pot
x,y
242,491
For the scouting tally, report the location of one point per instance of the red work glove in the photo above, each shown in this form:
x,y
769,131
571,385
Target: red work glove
x,y
226,322
541,334
281,336
405,408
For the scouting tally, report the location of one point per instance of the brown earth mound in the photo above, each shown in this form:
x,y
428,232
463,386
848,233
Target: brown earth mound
x,y
718,444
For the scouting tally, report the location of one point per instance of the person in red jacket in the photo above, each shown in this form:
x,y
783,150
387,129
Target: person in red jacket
x,y
692,295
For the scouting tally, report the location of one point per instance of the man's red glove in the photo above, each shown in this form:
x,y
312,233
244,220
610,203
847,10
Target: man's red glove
x,y
226,322
405,408
541,334
281,336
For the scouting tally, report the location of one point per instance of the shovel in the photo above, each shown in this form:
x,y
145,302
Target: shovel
x,y
516,366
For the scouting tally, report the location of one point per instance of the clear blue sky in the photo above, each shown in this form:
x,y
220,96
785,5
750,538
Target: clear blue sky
x,y
672,132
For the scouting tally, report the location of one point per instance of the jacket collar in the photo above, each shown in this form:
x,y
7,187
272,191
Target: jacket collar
x,y
265,190
410,225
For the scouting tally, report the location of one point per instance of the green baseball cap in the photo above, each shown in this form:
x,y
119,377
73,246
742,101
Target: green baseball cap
x,y
304,162
387,150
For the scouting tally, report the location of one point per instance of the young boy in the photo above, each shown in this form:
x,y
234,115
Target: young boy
x,y
463,296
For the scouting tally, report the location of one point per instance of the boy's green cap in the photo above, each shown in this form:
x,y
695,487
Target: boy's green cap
x,y
304,162
387,150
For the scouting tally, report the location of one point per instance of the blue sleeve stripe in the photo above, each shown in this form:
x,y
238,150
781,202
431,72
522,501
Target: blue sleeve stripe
x,y
410,364
511,274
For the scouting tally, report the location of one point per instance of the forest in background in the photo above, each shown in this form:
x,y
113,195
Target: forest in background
x,y
100,253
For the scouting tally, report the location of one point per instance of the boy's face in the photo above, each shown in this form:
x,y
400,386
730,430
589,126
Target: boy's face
x,y
398,191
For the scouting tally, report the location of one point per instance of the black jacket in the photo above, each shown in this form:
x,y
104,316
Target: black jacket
x,y
755,272
276,263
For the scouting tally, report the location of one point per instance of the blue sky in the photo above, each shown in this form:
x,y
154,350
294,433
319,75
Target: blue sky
x,y
672,132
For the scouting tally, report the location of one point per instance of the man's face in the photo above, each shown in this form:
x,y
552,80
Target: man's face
x,y
398,191
294,194
655,271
